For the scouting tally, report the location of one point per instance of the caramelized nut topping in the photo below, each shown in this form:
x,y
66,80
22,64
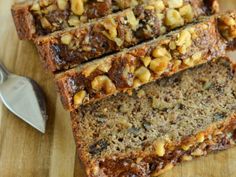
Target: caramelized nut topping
x,y
175,3
103,82
187,12
79,97
159,5
173,18
110,25
62,4
160,148
143,74
77,7
160,52
146,60
132,20
159,65
73,20
66,39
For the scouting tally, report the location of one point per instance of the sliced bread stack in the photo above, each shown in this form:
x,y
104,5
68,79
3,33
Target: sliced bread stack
x,y
147,82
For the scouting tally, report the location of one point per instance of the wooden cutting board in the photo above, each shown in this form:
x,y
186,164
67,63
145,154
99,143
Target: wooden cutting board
x,y
24,152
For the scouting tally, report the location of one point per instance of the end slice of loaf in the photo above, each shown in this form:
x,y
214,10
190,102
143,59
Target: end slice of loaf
x,y
74,46
187,47
162,124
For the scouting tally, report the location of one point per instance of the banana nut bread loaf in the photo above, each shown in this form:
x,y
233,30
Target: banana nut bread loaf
x,y
163,123
41,17
112,33
178,50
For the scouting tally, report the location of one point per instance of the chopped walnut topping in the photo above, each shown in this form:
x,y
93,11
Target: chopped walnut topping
x,y
74,20
35,7
173,18
45,23
187,12
77,6
161,52
103,82
159,65
79,97
146,61
175,3
160,148
184,41
200,137
89,69
132,20
62,4
159,5
66,39
143,74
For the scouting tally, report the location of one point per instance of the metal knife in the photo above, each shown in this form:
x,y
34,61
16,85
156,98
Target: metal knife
x,y
23,97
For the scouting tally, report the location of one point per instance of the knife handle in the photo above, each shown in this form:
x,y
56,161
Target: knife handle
x,y
3,73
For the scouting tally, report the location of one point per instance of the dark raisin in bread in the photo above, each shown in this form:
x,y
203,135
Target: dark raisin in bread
x,y
74,46
164,56
163,123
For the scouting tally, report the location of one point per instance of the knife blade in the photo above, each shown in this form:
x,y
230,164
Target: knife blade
x,y
23,97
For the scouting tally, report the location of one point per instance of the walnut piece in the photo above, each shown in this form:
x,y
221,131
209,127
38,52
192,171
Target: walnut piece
x,y
200,137
111,26
175,3
132,20
66,39
159,52
74,20
159,65
187,12
89,69
103,82
160,148
184,41
35,7
62,4
173,19
143,74
159,5
146,60
77,6
45,23
79,97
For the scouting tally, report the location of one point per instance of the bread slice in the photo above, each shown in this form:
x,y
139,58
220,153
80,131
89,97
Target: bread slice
x,y
178,50
163,123
74,46
41,17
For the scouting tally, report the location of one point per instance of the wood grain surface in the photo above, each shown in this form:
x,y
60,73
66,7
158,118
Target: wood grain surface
x,y
24,152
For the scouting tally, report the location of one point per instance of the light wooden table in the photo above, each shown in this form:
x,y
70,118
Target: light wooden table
x,y
24,152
